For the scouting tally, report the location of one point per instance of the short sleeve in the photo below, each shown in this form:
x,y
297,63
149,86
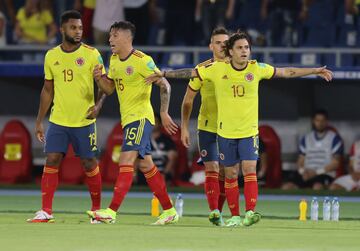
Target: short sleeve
x,y
47,17
266,71
302,146
47,69
195,83
337,146
148,67
98,60
204,72
109,74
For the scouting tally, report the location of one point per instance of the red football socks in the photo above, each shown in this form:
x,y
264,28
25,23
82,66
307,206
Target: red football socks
x,y
212,189
222,195
232,195
157,185
93,181
49,183
122,185
250,191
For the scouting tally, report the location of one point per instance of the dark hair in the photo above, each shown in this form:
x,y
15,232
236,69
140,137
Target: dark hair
x,y
69,14
219,31
322,112
124,25
229,44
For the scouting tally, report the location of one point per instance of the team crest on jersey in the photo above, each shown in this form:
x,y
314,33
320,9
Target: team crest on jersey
x,y
80,61
129,70
203,153
249,77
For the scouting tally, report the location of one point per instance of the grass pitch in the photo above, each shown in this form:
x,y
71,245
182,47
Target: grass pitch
x,y
278,230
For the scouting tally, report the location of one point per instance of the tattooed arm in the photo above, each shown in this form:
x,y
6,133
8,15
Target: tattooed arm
x,y
292,72
181,73
186,73
166,120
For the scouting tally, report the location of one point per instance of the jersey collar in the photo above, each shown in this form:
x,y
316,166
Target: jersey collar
x,y
236,69
71,50
126,58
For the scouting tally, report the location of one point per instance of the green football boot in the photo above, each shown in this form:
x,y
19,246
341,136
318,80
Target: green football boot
x,y
107,216
234,221
169,216
215,217
251,218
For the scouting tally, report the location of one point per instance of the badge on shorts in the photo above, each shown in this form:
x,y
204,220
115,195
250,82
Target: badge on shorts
x,y
203,153
222,156
249,77
80,61
129,70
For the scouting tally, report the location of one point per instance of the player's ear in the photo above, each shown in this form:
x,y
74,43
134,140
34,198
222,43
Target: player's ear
x,y
231,52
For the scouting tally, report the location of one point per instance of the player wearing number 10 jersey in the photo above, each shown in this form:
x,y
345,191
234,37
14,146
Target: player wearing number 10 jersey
x,y
69,85
236,89
127,70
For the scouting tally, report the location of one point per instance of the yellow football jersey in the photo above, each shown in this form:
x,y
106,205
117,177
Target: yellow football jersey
x,y
35,25
72,73
133,93
237,96
207,118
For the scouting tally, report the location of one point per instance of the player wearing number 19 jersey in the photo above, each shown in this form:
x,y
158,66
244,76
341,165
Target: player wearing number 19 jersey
x,y
69,85
127,71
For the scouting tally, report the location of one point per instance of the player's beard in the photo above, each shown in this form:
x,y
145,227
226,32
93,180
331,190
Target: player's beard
x,y
70,40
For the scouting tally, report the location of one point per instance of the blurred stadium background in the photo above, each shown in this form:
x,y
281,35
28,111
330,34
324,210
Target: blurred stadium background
x,y
174,33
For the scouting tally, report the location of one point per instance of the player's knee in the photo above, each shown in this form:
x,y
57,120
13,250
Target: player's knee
x,y
88,164
231,173
211,166
54,160
127,158
248,169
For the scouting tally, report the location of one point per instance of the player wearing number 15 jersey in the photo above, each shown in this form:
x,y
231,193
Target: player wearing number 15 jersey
x,y
236,89
69,85
127,71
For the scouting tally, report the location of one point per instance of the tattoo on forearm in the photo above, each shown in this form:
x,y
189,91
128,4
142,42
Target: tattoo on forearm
x,y
165,91
181,73
292,73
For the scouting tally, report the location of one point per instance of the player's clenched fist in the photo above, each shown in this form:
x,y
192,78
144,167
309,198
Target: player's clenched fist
x,y
97,72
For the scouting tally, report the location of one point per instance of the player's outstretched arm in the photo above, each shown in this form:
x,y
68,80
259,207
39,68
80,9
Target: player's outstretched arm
x,y
46,98
293,72
185,73
165,91
105,84
186,109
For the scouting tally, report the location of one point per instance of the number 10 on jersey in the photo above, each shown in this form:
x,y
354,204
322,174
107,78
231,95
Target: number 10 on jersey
x,y
238,90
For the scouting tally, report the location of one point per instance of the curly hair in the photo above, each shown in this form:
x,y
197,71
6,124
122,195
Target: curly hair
x,y
229,44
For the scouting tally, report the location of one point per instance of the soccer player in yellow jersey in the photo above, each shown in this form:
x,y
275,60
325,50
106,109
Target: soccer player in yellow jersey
x,y
236,89
69,85
207,121
127,71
